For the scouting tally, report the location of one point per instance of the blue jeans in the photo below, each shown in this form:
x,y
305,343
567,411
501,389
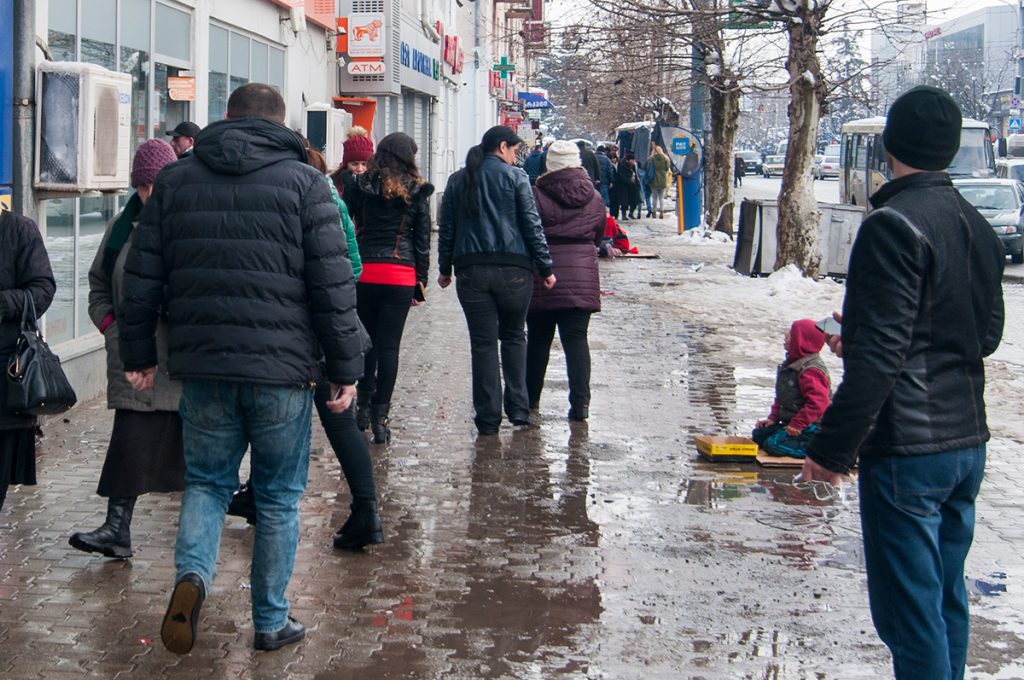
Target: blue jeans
x,y
917,514
220,419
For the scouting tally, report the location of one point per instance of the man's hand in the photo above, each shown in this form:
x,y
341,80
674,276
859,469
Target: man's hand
x,y
444,281
835,342
766,422
793,431
341,398
141,380
549,282
813,472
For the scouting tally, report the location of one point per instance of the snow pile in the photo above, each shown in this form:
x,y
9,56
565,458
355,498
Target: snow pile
x,y
790,283
703,235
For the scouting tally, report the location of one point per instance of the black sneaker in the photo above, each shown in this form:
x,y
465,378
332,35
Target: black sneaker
x,y
179,627
293,631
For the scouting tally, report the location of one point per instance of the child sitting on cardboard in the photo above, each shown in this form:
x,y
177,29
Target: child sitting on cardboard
x,y
802,393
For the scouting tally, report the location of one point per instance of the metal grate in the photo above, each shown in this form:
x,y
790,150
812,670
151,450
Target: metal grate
x,y
58,138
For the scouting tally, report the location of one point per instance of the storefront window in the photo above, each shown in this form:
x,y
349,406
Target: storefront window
x,y
99,34
135,23
239,61
259,62
218,73
60,245
118,35
276,75
63,20
174,33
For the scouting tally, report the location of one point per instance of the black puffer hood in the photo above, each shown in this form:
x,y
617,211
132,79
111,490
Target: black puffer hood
x,y
571,187
238,147
370,182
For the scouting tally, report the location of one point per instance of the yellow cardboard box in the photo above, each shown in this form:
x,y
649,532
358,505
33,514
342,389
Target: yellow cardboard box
x,y
726,448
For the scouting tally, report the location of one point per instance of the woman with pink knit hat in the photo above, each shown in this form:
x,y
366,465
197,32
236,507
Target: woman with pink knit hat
x,y
358,149
145,453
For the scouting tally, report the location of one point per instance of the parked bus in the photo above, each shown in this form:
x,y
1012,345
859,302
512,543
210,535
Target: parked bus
x,y
862,157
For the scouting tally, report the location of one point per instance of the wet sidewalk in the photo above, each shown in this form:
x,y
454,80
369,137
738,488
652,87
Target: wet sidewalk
x,y
601,550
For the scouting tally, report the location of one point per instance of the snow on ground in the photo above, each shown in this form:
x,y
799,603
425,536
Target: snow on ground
x,y
745,318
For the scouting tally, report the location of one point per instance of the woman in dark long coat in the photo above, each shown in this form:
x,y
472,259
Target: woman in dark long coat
x,y
24,271
573,216
146,452
627,184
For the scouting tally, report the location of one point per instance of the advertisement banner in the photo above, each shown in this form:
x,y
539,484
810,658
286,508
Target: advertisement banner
x,y
366,35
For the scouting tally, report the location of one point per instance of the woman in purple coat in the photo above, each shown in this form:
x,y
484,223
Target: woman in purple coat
x,y
573,216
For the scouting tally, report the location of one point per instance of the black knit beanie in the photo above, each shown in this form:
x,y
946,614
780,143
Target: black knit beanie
x,y
922,129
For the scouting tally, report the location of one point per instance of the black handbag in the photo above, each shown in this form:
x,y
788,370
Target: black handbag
x,y
36,383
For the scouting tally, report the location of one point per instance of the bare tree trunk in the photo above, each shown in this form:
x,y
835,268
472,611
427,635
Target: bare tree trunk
x,y
797,230
725,112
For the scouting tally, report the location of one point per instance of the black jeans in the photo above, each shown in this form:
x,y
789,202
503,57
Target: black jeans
x,y
495,300
572,327
382,309
349,444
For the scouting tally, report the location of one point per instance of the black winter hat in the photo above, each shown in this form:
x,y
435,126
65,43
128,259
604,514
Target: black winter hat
x,y
922,129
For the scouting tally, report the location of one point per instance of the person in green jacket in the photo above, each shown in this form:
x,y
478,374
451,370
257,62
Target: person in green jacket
x,y
350,231
659,180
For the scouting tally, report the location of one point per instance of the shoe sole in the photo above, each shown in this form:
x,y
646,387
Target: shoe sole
x,y
112,552
271,646
375,538
178,630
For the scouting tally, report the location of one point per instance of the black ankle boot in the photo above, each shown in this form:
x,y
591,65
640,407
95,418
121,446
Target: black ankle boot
x,y
362,528
243,503
379,423
114,537
363,409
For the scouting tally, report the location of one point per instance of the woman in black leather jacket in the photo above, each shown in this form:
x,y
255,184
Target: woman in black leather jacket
x,y
491,234
389,205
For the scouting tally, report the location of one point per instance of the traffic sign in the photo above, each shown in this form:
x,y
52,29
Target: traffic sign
x,y
1014,101
1014,125
1015,113
681,145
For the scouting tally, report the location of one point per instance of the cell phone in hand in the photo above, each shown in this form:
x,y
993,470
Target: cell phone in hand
x,y
829,326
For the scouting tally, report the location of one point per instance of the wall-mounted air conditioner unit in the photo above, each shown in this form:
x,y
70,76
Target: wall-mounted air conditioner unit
x,y
326,127
83,128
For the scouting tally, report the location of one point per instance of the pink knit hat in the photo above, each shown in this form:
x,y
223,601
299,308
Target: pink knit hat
x,y
150,158
358,146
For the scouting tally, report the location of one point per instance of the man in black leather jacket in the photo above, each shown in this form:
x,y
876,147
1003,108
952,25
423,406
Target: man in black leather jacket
x,y
923,307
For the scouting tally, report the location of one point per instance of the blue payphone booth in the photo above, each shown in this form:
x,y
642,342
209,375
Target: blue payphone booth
x,y
6,100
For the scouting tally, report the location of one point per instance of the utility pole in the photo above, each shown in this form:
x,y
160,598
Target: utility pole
x,y
23,199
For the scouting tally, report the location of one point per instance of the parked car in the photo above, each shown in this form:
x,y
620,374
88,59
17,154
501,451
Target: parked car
x,y
751,161
773,165
829,167
1001,202
1010,168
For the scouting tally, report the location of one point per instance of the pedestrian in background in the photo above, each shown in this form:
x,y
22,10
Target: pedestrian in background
x,y
739,170
590,162
358,147
923,308
533,164
183,138
627,184
660,170
607,183
252,298
145,454
573,216
391,201
491,235
24,272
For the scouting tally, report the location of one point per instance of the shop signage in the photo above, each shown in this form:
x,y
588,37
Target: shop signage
x,y
934,33
181,89
366,35
453,54
5,201
422,63
365,68
504,67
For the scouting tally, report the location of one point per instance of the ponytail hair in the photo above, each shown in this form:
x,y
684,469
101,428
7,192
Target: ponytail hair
x,y
490,143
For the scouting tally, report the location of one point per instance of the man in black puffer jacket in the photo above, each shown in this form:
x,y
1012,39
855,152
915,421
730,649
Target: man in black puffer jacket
x,y
923,307
240,247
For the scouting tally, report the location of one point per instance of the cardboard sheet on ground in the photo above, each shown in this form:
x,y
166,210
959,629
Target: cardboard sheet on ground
x,y
765,459
641,256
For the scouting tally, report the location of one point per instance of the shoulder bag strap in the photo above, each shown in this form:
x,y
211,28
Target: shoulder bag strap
x,y
29,322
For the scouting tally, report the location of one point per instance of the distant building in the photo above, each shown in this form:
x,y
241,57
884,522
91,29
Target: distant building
x,y
972,56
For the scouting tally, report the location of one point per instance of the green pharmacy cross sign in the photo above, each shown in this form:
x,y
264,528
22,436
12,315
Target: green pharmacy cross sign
x,y
504,67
